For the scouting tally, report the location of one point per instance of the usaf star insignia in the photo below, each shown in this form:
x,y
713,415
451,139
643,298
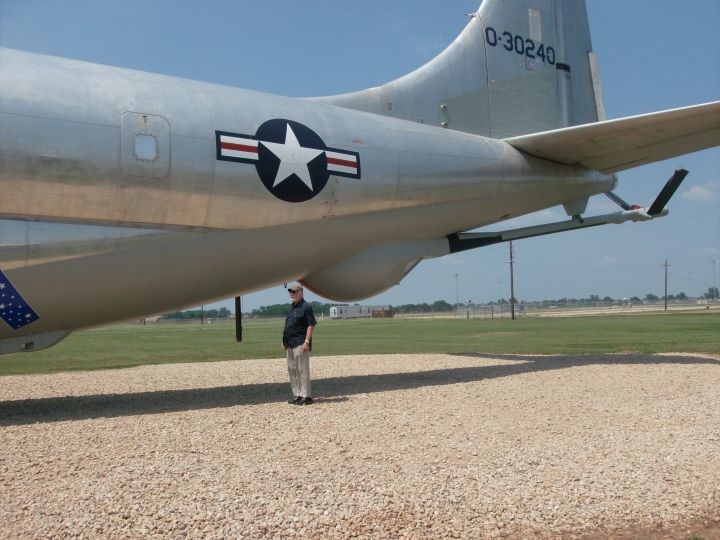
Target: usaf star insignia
x,y
14,309
291,160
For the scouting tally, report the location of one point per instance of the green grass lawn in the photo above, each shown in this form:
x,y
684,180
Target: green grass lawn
x,y
126,345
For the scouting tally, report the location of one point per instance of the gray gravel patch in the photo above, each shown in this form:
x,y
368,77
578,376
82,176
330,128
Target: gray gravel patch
x,y
416,446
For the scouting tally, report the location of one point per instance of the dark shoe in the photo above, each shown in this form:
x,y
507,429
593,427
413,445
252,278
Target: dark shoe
x,y
295,400
305,401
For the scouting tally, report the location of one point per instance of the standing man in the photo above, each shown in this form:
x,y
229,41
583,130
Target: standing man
x,y
297,341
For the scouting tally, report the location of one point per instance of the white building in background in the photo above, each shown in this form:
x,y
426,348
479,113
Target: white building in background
x,y
360,312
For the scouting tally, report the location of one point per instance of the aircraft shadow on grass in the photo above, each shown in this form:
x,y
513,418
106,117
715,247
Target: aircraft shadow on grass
x,y
331,389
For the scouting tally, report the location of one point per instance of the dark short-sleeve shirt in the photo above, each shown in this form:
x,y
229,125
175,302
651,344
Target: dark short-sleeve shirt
x,y
297,321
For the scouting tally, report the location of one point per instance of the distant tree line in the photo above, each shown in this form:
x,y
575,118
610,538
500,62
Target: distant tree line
x,y
222,313
595,300
281,310
439,306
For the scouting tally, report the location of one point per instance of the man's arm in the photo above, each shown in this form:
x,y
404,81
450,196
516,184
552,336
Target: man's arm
x,y
308,337
311,322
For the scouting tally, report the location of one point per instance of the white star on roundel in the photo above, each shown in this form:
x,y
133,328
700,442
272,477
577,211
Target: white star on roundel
x,y
294,158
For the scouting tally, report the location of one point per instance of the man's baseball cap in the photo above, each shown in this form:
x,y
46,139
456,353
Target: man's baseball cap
x,y
295,287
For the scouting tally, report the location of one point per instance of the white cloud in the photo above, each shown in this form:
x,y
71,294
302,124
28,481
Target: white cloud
x,y
609,260
707,192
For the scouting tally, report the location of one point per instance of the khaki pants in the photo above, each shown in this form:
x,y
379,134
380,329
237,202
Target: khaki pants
x,y
299,370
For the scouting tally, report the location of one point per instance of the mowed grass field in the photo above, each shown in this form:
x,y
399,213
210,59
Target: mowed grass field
x,y
128,345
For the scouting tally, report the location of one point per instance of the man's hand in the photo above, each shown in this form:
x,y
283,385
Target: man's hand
x,y
306,347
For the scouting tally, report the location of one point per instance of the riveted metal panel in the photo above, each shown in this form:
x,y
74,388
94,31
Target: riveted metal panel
x,y
138,130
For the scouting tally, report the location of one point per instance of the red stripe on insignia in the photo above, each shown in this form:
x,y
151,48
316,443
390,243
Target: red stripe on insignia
x,y
239,147
343,162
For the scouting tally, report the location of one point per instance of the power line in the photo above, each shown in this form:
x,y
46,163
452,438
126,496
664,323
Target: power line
x,y
703,283
578,268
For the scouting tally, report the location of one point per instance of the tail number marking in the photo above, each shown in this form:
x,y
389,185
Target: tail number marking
x,y
521,45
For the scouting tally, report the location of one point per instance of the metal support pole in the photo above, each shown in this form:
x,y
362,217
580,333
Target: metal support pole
x,y
238,319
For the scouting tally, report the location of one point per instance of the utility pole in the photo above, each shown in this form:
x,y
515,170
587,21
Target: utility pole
x,y
666,267
715,290
512,285
457,294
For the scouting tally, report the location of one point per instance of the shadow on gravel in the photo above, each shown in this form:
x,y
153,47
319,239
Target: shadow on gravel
x,y
329,390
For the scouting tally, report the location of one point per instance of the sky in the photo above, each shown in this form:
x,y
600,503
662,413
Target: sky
x,y
653,55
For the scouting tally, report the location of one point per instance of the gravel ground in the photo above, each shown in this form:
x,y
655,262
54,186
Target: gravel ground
x,y
416,446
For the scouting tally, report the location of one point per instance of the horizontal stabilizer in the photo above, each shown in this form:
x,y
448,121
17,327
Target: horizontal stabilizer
x,y
616,145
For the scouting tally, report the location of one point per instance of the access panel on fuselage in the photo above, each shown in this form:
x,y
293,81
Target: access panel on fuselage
x,y
144,145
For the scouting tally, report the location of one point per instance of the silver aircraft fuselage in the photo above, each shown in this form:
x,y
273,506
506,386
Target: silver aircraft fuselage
x,y
93,229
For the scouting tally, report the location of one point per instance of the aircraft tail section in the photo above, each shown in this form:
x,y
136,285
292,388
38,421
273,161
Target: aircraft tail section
x,y
519,67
